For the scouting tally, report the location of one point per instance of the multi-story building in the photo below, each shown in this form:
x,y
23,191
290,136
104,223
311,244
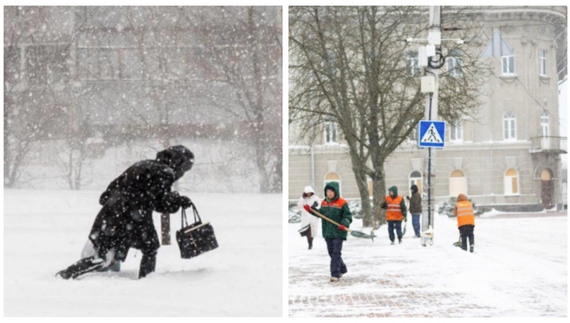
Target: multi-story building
x,y
507,156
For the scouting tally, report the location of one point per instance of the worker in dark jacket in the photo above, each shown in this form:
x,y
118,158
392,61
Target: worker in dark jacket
x,y
335,208
125,220
415,209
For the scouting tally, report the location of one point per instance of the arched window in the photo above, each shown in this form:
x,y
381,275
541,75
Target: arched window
x,y
509,126
511,182
457,183
333,177
544,124
416,179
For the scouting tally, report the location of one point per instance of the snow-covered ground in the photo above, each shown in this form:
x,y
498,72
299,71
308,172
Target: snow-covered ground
x,y
45,231
518,269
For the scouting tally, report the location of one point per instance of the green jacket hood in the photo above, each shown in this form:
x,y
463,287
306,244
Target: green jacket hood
x,y
394,189
334,187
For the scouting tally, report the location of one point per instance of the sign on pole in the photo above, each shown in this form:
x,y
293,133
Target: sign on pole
x,y
431,134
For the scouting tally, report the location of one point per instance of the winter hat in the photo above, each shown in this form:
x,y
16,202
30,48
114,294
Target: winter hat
x,y
178,157
414,188
309,189
461,197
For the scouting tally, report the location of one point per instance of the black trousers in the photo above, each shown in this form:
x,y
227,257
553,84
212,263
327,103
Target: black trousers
x,y
395,225
466,232
334,247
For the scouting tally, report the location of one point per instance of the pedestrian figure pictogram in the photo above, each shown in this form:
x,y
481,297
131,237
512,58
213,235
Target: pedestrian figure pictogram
x,y
431,134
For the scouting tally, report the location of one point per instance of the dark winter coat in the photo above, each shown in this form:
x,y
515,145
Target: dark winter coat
x,y
415,201
125,220
336,210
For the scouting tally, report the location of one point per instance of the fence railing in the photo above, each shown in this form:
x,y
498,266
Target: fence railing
x,y
549,144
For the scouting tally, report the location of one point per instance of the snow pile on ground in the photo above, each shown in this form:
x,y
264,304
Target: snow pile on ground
x,y
45,231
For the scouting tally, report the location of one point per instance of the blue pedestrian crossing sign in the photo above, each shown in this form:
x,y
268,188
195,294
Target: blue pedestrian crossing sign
x,y
431,134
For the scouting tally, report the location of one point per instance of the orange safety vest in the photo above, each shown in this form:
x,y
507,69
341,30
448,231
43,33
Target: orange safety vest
x,y
394,210
464,213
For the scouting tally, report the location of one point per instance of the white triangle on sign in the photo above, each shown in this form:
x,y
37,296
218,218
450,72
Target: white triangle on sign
x,y
431,135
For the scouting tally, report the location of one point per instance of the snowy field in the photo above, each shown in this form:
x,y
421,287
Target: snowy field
x,y
519,269
45,231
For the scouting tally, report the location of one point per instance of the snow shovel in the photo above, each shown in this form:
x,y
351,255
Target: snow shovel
x,y
405,225
353,233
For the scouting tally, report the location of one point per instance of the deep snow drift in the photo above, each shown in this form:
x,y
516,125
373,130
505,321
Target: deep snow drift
x,y
45,231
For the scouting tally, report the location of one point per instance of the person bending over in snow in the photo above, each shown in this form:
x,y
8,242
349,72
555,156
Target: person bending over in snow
x,y
395,212
125,220
465,221
335,208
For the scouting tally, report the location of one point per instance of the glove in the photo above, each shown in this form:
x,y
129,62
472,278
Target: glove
x,y
307,208
185,202
342,227
384,205
104,197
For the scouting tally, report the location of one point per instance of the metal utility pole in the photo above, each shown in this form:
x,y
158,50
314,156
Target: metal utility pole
x,y
435,60
431,131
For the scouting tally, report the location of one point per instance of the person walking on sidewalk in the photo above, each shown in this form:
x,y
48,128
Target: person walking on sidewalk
x,y
335,208
395,212
415,209
465,221
309,223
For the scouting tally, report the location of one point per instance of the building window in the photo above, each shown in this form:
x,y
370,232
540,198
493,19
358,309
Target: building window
x,y
333,177
508,64
454,64
511,182
457,183
544,124
542,62
509,126
331,133
47,64
456,132
416,179
412,64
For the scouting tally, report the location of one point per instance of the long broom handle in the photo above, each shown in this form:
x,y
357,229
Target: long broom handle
x,y
326,218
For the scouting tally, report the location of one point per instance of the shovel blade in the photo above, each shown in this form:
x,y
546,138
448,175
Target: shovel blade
x,y
358,234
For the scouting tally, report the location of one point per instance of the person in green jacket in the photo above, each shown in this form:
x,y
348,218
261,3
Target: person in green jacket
x,y
335,208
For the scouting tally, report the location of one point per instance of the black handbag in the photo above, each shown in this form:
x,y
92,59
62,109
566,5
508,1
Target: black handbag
x,y
197,238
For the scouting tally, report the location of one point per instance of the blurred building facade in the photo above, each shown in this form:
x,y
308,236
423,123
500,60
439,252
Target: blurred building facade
x,y
93,77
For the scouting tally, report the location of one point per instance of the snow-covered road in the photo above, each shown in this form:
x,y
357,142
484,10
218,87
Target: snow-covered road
x,y
518,269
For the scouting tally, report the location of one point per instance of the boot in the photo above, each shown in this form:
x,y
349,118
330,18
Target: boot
x,y
471,248
81,267
310,243
148,264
